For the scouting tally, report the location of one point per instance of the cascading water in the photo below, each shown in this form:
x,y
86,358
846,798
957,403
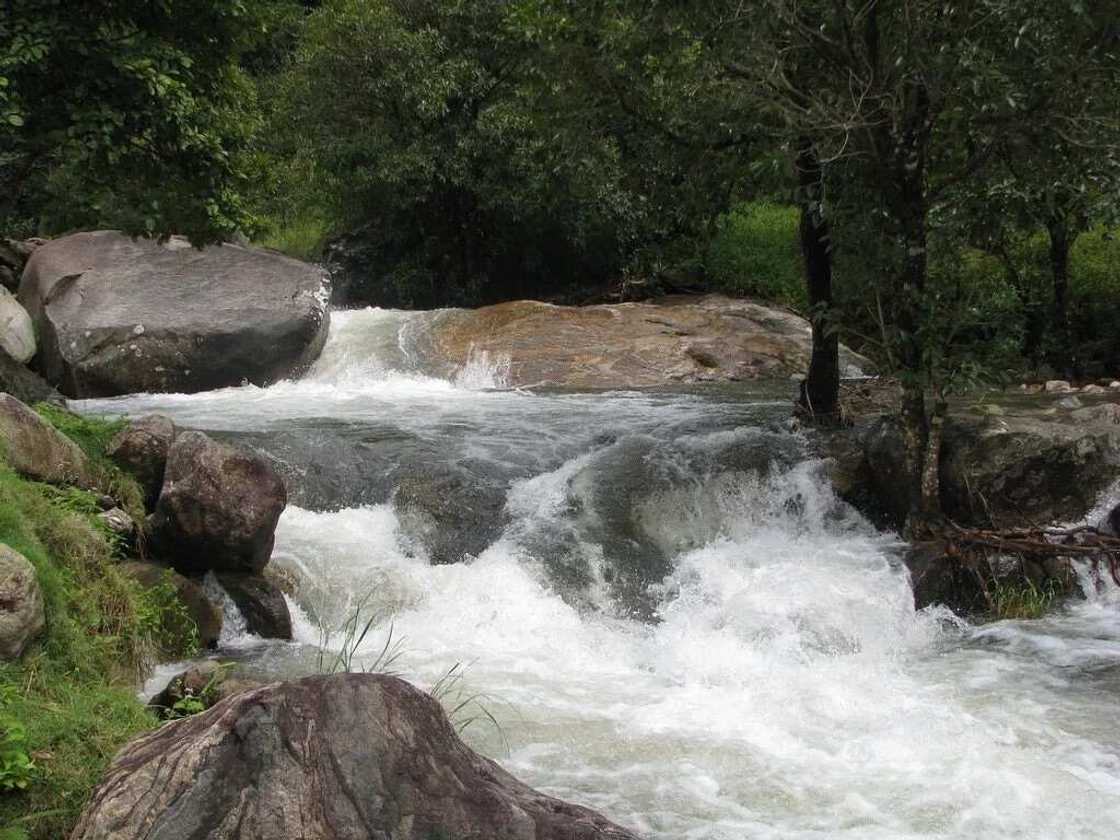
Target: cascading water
x,y
669,615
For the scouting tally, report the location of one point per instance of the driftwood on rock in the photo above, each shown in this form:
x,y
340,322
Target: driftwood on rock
x,y
1084,542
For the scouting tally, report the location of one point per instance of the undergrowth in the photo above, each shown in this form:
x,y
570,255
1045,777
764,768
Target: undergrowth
x,y
93,436
68,704
1021,599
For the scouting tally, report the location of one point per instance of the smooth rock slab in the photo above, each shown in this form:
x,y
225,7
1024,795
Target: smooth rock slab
x,y
629,345
22,615
117,315
344,757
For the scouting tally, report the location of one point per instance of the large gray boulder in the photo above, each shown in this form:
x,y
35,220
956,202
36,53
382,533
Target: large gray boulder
x,y
218,508
345,757
22,615
36,450
141,448
17,333
117,315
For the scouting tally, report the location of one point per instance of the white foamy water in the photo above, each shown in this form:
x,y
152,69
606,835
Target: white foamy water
x,y
785,687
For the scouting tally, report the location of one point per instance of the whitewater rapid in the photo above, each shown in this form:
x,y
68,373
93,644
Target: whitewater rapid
x,y
783,687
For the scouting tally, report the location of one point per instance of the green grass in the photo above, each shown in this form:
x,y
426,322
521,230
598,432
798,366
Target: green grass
x,y
72,692
302,237
1021,599
757,252
93,436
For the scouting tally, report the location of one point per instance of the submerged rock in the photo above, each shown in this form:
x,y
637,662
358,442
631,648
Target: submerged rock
x,y
141,448
117,315
36,450
218,508
451,514
629,345
22,615
261,603
346,757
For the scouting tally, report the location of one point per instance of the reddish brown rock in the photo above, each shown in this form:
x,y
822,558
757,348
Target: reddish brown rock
x,y
684,339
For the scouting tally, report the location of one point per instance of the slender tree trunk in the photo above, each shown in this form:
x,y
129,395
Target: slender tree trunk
x,y
820,391
1061,241
922,448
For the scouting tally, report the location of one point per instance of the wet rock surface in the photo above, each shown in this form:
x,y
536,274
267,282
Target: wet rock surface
x,y
347,757
1019,469
261,603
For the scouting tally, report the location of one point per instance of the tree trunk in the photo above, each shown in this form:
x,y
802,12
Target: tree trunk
x,y
922,448
820,391
1061,241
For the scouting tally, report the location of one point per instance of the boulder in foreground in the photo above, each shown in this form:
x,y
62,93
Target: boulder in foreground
x,y
344,757
117,315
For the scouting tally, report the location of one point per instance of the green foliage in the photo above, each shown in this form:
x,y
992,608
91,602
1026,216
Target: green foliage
x,y
1020,599
423,125
757,252
132,114
16,767
300,237
92,434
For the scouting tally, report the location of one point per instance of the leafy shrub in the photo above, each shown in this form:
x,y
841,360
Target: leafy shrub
x,y
756,251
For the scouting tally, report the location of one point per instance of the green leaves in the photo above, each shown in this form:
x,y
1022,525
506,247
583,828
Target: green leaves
x,y
106,104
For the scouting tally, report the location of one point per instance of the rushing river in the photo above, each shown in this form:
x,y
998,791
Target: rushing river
x,y
666,611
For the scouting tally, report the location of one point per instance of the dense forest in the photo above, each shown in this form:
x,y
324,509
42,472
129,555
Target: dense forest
x,y
934,183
